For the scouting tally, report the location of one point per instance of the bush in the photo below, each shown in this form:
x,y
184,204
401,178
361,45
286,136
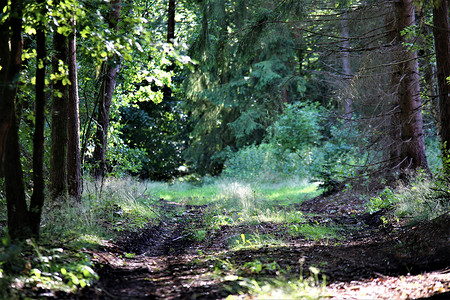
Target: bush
x,y
385,200
298,128
297,148
264,163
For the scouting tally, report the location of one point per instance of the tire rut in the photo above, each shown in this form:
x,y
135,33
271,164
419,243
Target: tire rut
x,y
147,264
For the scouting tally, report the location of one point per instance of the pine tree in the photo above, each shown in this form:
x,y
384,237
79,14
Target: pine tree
x,y
246,72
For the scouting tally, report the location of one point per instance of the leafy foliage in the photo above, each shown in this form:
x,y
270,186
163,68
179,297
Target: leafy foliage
x,y
53,269
160,130
298,128
385,200
264,163
244,77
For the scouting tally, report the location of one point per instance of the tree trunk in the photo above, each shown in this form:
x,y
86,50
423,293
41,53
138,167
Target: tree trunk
x,y
6,104
73,154
59,132
441,41
430,80
18,218
11,30
406,79
109,68
171,21
393,122
171,10
346,68
37,199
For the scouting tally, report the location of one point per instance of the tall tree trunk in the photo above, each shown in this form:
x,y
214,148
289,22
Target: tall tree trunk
x,y
109,71
37,199
393,122
171,10
171,21
429,79
346,67
6,104
12,46
73,154
412,150
59,132
442,46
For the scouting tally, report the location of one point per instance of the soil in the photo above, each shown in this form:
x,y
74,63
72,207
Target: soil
x,y
372,261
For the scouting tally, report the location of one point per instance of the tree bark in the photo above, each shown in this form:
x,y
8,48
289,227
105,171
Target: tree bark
x,y
109,68
406,80
346,68
442,48
74,180
59,132
171,21
37,198
171,10
18,222
6,104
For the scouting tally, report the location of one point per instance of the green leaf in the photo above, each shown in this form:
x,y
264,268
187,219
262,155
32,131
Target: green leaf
x,y
82,283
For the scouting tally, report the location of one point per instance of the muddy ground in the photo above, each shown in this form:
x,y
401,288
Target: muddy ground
x,y
373,261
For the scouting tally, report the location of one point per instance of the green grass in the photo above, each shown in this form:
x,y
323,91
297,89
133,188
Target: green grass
x,y
280,193
282,288
315,232
182,192
252,241
251,276
289,193
119,205
67,229
129,205
423,200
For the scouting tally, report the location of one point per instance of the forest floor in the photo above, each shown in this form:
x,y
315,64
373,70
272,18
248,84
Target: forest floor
x,y
372,260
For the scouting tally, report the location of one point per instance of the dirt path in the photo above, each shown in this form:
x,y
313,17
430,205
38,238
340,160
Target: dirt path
x,y
165,262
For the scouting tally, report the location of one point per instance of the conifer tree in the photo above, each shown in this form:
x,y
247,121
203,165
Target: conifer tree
x,y
442,46
246,73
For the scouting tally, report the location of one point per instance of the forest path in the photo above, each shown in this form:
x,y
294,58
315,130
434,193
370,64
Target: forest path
x,y
370,262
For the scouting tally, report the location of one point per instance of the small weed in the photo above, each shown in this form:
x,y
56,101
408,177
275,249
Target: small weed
x,y
253,240
223,266
287,288
257,267
386,200
55,269
253,267
200,235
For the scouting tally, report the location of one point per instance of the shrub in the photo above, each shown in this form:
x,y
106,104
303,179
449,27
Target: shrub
x,y
386,200
264,163
336,159
298,129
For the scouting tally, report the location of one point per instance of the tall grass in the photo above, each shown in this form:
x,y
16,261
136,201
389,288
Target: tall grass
x,y
424,200
105,209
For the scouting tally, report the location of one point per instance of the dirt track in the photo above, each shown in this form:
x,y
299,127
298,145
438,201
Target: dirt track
x,y
162,262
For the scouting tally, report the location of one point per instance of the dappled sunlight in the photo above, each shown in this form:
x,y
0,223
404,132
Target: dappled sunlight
x,y
291,194
224,149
